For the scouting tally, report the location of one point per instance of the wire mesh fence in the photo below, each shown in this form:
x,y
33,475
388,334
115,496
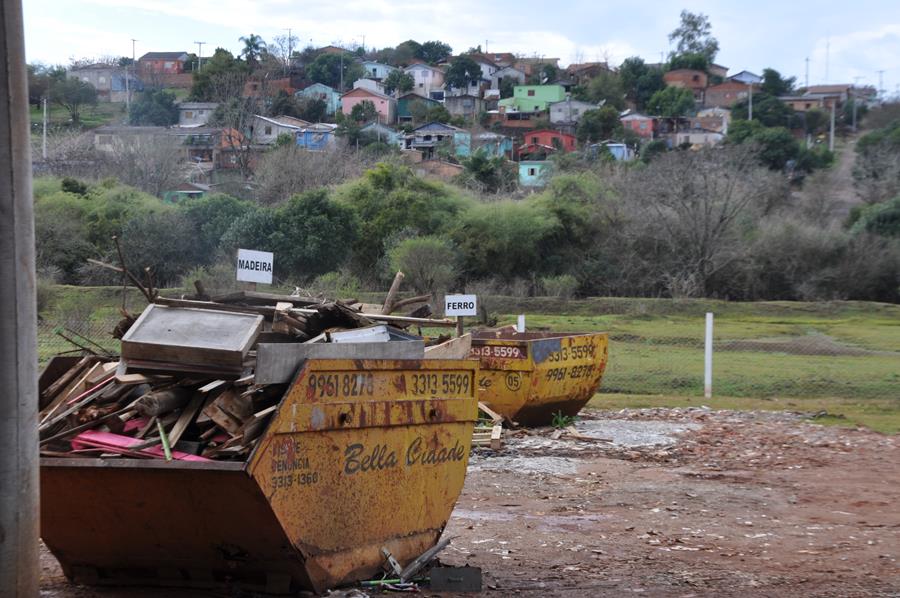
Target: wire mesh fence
x,y
662,352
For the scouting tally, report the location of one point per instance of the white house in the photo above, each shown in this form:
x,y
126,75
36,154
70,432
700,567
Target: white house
x,y
426,79
569,111
195,114
265,131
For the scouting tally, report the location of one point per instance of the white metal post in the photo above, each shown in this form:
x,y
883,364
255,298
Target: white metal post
x,y
707,360
520,326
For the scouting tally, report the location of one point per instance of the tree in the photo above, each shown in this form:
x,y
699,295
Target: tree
x,y
671,102
693,36
254,48
73,94
210,218
487,174
549,74
776,85
406,51
429,263
40,78
598,125
154,107
398,80
767,109
326,69
815,120
606,88
507,87
462,72
695,207
434,52
696,62
284,47
639,81
364,112
221,78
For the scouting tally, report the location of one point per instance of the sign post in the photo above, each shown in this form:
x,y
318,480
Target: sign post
x,y
459,306
255,266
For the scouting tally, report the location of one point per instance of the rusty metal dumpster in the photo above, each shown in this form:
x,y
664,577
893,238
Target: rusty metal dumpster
x,y
359,456
529,376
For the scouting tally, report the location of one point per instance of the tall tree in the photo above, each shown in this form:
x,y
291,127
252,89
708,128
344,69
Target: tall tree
x,y
605,88
693,36
671,102
364,112
398,80
254,48
154,107
640,81
434,51
462,72
221,78
598,125
326,68
776,85
73,94
406,51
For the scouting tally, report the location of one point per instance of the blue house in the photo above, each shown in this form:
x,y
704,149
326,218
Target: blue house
x,y
320,91
318,137
494,144
534,173
377,70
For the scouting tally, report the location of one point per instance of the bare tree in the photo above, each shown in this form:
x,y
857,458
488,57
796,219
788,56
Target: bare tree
x,y
694,207
288,170
877,173
154,163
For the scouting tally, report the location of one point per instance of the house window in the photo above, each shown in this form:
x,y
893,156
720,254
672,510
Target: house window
x,y
530,92
532,171
102,80
189,114
168,65
534,140
695,78
643,126
808,106
268,130
421,85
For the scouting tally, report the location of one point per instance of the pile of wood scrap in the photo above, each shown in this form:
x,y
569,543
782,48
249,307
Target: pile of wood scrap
x,y
186,386
92,411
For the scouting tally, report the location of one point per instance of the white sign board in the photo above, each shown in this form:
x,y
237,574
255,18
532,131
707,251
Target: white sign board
x,y
254,266
460,305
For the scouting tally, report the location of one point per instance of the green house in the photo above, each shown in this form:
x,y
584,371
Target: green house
x,y
406,103
533,98
534,173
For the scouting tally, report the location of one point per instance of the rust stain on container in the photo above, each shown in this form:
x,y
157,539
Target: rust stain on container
x,y
348,465
530,376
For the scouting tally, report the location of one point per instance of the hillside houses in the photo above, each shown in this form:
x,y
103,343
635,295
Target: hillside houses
x,y
521,108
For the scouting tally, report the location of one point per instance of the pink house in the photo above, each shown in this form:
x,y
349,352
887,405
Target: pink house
x,y
385,106
644,126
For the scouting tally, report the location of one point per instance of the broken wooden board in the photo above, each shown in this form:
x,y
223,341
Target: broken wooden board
x,y
189,337
278,362
455,348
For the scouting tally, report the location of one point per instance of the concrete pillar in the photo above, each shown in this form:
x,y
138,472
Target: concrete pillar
x,y
19,529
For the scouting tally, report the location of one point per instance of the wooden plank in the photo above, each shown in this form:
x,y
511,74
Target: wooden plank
x,y
221,417
74,389
496,440
191,337
278,362
495,417
455,348
186,417
279,320
69,376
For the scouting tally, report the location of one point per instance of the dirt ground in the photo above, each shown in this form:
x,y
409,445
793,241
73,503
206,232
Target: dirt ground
x,y
682,502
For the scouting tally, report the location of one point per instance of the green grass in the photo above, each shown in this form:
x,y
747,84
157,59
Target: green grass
x,y
839,357
92,117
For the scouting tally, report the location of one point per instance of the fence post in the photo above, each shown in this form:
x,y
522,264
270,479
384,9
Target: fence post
x,y
520,326
707,358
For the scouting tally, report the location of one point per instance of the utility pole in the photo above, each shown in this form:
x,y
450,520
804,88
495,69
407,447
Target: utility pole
x,y
880,84
19,481
44,133
199,54
287,62
807,73
831,130
750,101
128,82
853,99
827,57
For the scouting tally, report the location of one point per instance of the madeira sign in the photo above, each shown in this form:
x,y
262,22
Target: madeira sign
x,y
254,266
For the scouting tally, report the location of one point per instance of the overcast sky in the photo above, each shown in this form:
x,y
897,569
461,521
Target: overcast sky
x,y
859,38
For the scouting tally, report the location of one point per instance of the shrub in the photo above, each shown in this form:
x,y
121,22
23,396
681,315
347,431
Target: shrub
x,y
562,286
429,263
